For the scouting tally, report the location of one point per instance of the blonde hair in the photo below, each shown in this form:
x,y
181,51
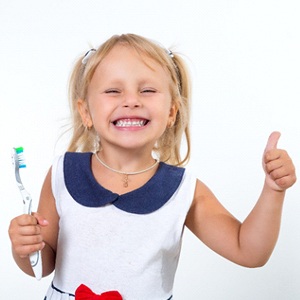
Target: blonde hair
x,y
169,144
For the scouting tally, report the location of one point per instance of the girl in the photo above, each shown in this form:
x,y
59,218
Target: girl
x,y
112,209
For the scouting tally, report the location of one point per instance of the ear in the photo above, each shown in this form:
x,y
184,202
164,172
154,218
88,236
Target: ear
x,y
172,115
83,110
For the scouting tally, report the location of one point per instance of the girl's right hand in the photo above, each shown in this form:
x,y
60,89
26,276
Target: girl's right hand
x,y
25,234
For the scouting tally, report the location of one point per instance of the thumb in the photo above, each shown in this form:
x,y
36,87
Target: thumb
x,y
40,219
272,141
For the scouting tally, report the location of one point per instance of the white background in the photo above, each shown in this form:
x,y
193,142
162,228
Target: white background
x,y
245,66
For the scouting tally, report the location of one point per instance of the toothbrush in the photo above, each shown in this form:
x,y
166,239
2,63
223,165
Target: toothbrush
x,y
18,161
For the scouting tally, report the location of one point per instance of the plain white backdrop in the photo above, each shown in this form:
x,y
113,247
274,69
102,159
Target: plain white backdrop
x,y
245,66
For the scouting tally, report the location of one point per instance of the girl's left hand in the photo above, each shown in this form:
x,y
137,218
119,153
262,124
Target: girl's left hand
x,y
278,166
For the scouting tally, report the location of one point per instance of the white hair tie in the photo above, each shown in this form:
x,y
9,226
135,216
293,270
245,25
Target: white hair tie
x,y
87,55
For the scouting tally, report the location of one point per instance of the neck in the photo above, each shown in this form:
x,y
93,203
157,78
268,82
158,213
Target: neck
x,y
126,160
126,173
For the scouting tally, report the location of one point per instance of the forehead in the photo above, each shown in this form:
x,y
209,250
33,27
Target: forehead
x,y
127,57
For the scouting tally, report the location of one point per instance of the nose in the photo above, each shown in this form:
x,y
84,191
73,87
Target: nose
x,y
131,100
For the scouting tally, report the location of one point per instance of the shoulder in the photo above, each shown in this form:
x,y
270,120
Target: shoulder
x,y
71,160
77,159
206,211
203,195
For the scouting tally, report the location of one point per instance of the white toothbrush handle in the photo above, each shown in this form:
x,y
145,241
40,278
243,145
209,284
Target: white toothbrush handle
x,y
36,257
36,264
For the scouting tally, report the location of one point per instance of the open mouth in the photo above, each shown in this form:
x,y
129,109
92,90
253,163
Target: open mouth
x,y
130,122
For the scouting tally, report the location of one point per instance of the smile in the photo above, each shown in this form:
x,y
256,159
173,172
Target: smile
x,y
130,122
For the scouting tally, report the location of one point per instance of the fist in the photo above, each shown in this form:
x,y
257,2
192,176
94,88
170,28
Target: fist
x,y
278,166
25,234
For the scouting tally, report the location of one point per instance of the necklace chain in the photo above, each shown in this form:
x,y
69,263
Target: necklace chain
x,y
125,177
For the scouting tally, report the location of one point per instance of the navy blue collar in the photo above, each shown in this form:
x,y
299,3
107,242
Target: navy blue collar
x,y
83,187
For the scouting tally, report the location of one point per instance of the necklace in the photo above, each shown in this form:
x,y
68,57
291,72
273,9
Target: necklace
x,y
125,174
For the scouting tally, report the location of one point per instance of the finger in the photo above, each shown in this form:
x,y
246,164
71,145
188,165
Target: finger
x,y
285,181
276,159
40,219
272,141
28,240
280,168
25,220
25,250
29,230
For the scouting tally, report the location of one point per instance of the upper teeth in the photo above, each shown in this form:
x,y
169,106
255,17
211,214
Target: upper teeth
x,y
129,123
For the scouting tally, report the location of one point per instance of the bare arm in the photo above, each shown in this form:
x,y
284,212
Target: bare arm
x,y
39,231
249,243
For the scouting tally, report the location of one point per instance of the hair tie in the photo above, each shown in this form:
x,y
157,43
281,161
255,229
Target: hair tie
x,y
87,55
170,53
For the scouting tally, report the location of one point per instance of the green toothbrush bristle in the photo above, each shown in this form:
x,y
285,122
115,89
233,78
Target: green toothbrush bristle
x,y
21,158
19,150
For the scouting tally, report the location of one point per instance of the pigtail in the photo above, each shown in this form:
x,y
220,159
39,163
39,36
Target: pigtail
x,y
83,138
183,118
169,145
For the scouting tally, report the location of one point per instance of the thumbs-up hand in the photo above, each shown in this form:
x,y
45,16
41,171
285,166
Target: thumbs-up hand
x,y
278,166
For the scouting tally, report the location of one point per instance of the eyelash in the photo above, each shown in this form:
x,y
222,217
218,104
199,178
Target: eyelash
x,y
117,91
111,91
148,91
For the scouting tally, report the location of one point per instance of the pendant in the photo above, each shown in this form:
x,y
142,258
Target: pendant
x,y
125,180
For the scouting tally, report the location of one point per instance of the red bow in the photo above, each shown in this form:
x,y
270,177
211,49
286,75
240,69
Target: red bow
x,y
84,293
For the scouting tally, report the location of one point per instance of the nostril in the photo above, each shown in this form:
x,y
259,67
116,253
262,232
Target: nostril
x,y
129,105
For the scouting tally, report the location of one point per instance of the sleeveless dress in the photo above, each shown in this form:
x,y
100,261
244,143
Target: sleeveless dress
x,y
130,243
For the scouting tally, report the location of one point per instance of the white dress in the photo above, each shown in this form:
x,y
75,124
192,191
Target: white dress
x,y
130,243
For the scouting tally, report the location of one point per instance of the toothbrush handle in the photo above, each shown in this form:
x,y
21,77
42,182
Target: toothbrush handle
x,y
36,264
36,257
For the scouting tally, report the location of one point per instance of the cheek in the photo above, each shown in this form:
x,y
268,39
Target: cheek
x,y
101,112
165,120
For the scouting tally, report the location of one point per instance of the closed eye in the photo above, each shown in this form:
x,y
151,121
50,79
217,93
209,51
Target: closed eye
x,y
148,91
112,91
